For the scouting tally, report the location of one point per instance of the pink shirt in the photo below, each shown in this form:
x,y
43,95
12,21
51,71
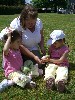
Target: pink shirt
x,y
57,53
12,62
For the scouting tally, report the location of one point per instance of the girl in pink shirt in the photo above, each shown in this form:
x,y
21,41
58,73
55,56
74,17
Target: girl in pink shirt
x,y
56,71
12,59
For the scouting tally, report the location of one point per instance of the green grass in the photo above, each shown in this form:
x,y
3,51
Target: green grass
x,y
51,21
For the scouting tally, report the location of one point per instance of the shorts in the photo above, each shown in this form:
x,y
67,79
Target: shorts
x,y
19,78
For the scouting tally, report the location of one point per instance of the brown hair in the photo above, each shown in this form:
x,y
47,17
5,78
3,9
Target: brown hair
x,y
28,12
61,40
14,35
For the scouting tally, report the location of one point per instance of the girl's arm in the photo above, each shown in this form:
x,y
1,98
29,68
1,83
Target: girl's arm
x,y
7,43
26,52
7,46
58,61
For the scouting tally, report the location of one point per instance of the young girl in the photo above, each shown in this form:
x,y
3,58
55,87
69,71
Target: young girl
x,y
12,60
56,71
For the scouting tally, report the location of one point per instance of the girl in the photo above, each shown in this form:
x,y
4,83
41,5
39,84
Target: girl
x,y
56,71
12,59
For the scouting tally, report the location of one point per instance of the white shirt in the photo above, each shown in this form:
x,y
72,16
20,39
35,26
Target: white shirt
x,y
29,39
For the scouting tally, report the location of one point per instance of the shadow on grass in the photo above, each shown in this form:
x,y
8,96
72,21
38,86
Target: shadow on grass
x,y
72,66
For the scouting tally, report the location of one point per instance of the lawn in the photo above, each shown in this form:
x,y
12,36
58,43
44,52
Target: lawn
x,y
51,21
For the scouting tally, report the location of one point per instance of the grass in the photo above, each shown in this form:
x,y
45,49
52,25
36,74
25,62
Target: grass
x,y
51,21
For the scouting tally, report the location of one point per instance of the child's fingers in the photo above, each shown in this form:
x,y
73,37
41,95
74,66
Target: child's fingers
x,y
8,30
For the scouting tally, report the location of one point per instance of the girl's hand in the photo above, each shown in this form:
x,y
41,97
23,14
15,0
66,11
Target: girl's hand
x,y
45,59
8,31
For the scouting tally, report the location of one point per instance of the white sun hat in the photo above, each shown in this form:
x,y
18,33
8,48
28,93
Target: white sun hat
x,y
55,35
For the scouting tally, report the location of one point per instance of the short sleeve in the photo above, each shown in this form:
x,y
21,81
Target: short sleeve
x,y
67,50
39,24
15,24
